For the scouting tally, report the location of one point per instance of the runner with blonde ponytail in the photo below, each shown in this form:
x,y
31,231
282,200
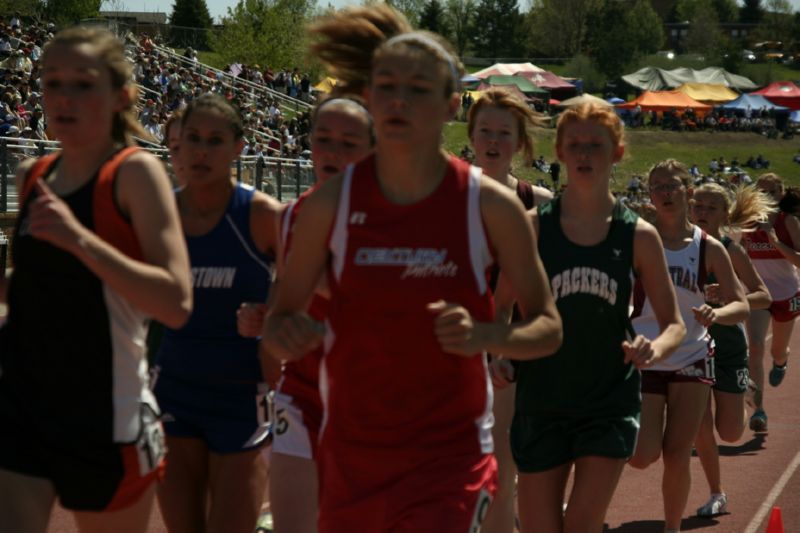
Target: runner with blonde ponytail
x,y
714,209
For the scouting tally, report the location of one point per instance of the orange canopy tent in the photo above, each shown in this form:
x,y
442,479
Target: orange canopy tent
x,y
665,101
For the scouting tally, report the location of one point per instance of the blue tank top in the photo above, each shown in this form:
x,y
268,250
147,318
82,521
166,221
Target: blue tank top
x,y
227,269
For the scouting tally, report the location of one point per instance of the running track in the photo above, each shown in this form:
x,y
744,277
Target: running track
x,y
758,472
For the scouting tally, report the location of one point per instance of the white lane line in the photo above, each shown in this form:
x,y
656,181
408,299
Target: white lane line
x,y
776,491
773,495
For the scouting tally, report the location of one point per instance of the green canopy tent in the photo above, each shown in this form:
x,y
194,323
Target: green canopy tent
x,y
523,84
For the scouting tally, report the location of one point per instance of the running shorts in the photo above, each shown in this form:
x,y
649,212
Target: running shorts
x,y
657,381
543,442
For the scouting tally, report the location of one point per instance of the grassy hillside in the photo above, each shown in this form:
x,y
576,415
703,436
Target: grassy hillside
x,y
646,147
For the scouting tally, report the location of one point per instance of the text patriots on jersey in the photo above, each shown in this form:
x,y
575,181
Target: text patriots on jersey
x,y
419,262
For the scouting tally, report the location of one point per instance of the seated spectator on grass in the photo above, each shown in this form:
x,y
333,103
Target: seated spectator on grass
x,y
467,154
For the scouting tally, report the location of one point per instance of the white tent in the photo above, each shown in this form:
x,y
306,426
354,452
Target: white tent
x,y
507,69
656,79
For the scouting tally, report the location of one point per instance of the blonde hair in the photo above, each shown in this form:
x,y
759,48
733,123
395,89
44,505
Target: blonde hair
x,y
111,52
603,115
770,178
673,167
348,42
744,207
524,115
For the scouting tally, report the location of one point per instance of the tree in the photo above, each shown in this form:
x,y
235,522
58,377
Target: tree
x,y
68,12
725,10
495,28
751,12
705,36
636,29
410,8
777,22
189,23
459,16
582,67
264,32
433,18
558,28
26,8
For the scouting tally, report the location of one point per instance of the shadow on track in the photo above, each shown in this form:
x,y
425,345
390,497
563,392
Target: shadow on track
x,y
657,526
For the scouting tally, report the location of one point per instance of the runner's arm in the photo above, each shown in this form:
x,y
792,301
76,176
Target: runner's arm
x,y
650,266
791,254
735,309
538,333
159,285
289,332
757,293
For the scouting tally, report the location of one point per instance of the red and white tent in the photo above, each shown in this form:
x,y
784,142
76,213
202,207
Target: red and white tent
x,y
783,93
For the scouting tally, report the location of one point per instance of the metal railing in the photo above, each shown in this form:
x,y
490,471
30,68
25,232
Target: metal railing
x,y
283,178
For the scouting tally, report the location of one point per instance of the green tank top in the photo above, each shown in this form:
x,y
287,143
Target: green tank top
x,y
592,288
730,343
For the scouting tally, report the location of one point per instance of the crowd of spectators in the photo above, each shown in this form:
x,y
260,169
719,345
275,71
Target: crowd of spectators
x,y
21,113
762,121
168,83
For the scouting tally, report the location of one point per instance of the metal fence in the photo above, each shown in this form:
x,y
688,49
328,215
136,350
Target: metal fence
x,y
284,179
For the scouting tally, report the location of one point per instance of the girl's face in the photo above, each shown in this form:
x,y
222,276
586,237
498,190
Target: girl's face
x,y
207,146
341,136
406,99
587,150
708,211
495,139
667,192
79,99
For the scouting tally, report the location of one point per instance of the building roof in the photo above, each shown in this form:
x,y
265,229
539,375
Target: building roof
x,y
150,17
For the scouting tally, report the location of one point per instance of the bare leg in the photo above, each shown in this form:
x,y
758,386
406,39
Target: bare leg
x,y
596,480
729,415
25,502
293,493
183,495
541,496
781,335
707,451
651,432
237,483
757,326
500,517
686,404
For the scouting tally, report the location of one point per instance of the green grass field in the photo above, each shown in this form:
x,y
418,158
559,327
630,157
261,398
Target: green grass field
x,y
646,147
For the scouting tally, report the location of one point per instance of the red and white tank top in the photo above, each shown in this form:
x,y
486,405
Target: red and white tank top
x,y
301,378
687,269
384,379
777,272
